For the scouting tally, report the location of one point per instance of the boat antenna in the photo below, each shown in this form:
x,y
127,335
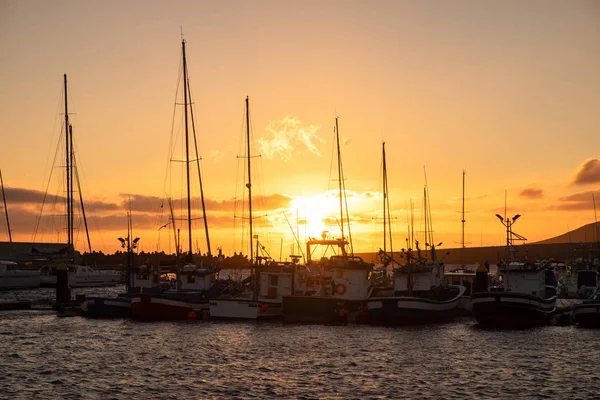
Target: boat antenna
x,y
595,224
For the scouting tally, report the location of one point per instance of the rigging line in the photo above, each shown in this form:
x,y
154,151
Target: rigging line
x,y
199,174
171,137
56,155
79,169
81,204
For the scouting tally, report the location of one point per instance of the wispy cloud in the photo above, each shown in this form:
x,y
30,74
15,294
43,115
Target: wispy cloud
x,y
588,172
287,137
531,193
578,201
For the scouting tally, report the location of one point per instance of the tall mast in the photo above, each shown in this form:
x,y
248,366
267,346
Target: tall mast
x,y
5,210
384,198
249,184
339,159
187,152
68,170
386,207
462,249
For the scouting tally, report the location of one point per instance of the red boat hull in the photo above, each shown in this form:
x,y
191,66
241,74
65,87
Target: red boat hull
x,y
158,307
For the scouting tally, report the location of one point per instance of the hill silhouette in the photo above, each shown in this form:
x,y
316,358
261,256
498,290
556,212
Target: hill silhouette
x,y
578,243
585,234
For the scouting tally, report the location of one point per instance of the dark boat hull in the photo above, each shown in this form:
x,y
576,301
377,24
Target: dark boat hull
x,y
320,310
511,309
160,307
587,315
107,307
405,310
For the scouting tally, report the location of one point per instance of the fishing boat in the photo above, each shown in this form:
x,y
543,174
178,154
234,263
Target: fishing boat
x,y
420,293
120,306
526,296
587,313
196,282
269,280
344,281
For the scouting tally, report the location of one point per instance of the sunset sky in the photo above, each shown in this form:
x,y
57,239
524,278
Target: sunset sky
x,y
507,90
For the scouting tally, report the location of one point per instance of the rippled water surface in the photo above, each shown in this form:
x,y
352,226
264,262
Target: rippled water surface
x,y
47,357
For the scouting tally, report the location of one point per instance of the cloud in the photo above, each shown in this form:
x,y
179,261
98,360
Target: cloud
x,y
287,137
532,193
578,201
28,196
588,172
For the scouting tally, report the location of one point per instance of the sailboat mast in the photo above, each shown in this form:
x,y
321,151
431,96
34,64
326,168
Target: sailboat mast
x,y
386,207
384,199
68,159
187,151
249,184
462,249
5,209
339,159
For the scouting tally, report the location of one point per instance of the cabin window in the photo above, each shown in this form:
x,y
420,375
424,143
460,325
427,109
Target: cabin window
x,y
274,280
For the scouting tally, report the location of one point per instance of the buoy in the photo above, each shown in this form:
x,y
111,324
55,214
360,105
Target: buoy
x,y
340,289
84,306
191,315
263,308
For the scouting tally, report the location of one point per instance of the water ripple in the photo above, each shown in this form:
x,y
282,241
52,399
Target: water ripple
x,y
46,357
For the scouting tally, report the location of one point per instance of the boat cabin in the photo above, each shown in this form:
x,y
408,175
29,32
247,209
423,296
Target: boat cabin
x,y
341,275
528,278
193,277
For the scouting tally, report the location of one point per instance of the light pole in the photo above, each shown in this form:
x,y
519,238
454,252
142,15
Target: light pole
x,y
129,244
508,223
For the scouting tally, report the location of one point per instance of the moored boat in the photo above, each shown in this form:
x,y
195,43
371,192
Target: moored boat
x,y
80,276
587,313
12,277
262,300
341,284
196,282
343,280
420,296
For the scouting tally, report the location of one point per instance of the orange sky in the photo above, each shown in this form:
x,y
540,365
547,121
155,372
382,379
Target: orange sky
x,y
507,90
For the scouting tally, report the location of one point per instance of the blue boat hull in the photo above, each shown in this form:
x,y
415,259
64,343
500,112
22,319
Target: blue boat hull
x,y
107,307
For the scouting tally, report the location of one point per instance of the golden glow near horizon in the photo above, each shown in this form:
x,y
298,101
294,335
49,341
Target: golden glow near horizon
x,y
508,91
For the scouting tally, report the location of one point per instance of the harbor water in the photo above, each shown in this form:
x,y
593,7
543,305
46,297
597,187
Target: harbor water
x,y
48,357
